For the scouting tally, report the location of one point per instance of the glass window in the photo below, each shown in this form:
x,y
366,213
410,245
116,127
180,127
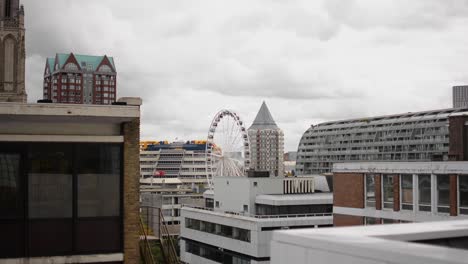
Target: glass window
x,y
372,221
9,185
50,181
407,192
443,193
387,188
424,184
463,193
98,180
370,190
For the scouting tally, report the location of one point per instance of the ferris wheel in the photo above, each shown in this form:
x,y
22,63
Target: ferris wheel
x,y
227,147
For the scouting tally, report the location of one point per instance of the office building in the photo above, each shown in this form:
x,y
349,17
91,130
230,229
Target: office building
x,y
171,175
12,52
266,143
392,192
417,136
69,183
428,243
80,79
241,214
460,96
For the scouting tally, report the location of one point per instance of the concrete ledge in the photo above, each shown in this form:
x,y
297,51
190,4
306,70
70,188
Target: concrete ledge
x,y
66,259
61,138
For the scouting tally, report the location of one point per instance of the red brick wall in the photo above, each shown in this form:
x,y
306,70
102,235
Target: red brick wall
x,y
378,192
348,190
456,138
347,220
453,195
396,192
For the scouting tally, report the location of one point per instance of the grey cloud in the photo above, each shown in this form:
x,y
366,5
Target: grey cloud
x,y
400,14
274,81
313,61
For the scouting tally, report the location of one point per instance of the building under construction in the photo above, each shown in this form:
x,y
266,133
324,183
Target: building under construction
x,y
418,136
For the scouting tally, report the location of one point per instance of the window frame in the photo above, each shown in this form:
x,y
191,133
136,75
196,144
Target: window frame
x,y
412,193
447,207
459,208
72,224
366,204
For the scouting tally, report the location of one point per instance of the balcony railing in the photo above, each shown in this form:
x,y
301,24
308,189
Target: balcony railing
x,y
260,216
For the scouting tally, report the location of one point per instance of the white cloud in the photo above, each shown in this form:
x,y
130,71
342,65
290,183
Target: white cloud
x,y
312,61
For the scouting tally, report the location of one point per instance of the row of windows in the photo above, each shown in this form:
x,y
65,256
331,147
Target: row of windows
x,y
217,229
105,82
59,199
416,192
105,89
214,253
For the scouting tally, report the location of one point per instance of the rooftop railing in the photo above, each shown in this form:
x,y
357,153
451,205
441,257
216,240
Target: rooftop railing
x,y
260,216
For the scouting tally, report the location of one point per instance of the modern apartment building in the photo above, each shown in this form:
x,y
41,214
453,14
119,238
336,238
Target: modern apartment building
x,y
69,183
266,143
12,52
171,175
241,214
460,96
80,79
389,192
417,136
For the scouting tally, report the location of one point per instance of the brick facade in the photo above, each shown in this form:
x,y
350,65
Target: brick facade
x,y
396,192
347,220
131,191
457,139
453,195
348,190
378,191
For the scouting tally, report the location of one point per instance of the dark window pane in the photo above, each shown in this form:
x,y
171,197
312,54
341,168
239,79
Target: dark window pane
x,y
50,237
9,185
98,235
443,196
98,180
407,192
424,183
463,190
387,191
50,181
370,190
11,238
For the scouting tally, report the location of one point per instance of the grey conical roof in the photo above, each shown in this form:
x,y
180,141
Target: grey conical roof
x,y
264,120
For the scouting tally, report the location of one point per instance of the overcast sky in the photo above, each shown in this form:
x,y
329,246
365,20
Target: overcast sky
x,y
311,61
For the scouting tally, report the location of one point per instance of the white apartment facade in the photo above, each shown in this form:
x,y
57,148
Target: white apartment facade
x,y
246,211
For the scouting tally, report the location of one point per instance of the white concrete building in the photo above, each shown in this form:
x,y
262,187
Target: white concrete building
x,y
266,143
245,211
424,243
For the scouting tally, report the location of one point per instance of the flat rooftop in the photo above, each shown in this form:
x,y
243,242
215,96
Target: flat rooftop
x,y
294,199
41,112
394,243
433,167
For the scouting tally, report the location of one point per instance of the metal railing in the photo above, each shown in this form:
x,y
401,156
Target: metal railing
x,y
155,228
260,216
145,248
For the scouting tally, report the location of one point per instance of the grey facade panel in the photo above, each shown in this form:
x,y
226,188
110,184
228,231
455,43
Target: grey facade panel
x,y
419,136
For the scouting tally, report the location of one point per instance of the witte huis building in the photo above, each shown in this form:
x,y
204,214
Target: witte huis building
x,y
267,143
240,215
